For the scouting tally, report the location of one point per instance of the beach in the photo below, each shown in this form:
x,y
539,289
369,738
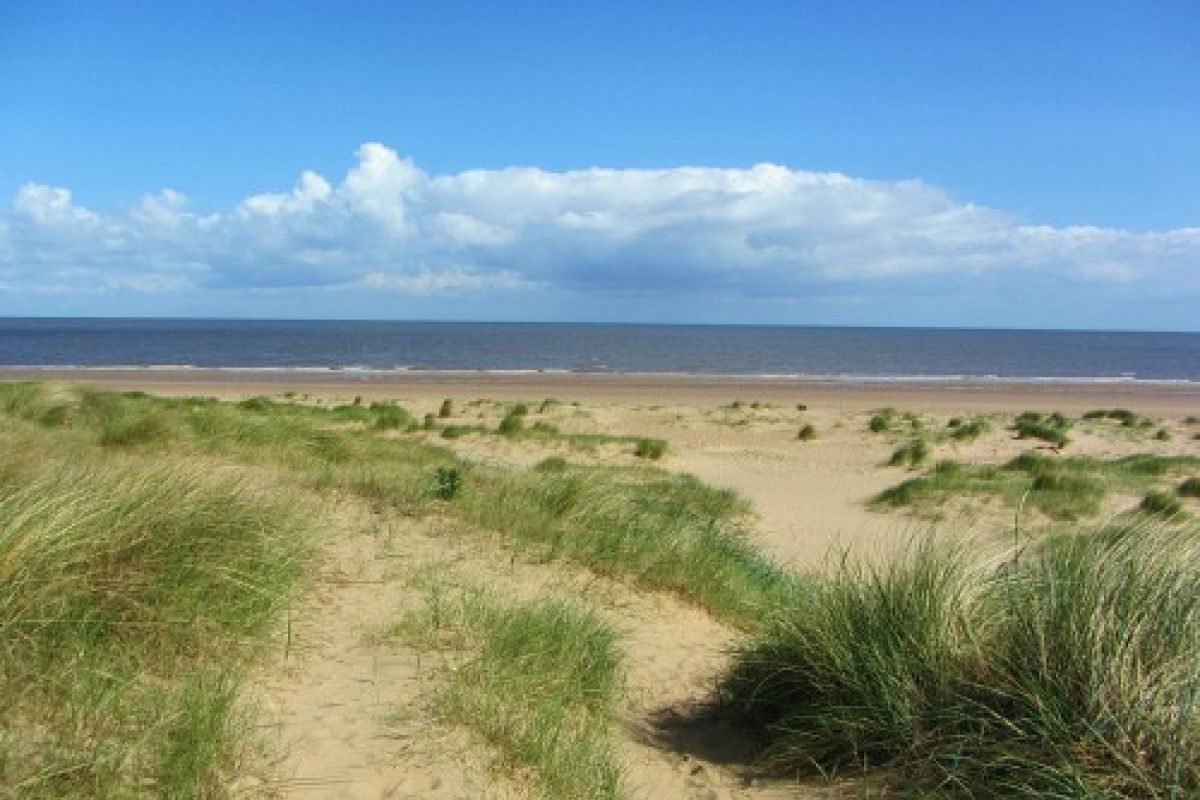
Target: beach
x,y
641,536
810,498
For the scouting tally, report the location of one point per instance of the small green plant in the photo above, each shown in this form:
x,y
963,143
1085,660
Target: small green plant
x,y
458,431
449,482
447,409
430,422
807,433
512,424
912,454
736,405
1189,488
389,416
881,420
1161,504
652,449
969,431
552,464
1162,435
1052,429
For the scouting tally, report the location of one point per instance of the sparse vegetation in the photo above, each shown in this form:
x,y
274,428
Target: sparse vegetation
x,y
1062,488
449,482
512,424
446,410
881,420
538,680
911,454
807,433
1189,488
1050,428
652,449
968,431
1162,504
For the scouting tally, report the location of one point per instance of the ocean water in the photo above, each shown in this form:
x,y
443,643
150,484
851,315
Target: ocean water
x,y
817,352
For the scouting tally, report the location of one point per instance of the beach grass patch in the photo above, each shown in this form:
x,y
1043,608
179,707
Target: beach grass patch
x,y
538,680
1065,670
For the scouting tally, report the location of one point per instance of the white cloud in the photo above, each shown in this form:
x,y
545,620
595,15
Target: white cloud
x,y
764,231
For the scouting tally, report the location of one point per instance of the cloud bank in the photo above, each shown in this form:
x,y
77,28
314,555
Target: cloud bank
x,y
763,233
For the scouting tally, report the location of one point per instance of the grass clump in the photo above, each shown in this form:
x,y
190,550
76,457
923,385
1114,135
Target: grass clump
x,y
881,421
552,464
131,593
512,424
1127,418
388,416
539,681
969,431
459,431
652,449
1190,487
449,483
1070,672
1162,504
446,410
806,433
911,454
1050,428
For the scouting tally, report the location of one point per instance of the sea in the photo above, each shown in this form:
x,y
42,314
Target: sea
x,y
822,353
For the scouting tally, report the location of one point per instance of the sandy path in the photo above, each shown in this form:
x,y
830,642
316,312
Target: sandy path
x,y
335,704
347,711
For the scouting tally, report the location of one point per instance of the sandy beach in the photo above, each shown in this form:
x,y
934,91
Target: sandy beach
x,y
811,498
349,703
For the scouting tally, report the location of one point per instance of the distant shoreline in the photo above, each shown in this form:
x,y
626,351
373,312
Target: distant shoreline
x,y
966,393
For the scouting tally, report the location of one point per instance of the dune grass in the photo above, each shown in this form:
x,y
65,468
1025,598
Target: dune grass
x,y
1050,428
1062,488
537,679
660,531
1071,671
969,430
911,454
132,591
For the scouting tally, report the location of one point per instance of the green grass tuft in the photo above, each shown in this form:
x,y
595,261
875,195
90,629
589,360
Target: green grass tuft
x,y
1162,504
881,421
539,682
912,454
1071,672
652,449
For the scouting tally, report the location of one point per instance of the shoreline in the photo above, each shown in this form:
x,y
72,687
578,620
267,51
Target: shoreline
x,y
966,393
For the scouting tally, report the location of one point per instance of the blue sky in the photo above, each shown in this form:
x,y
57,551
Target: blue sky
x,y
986,163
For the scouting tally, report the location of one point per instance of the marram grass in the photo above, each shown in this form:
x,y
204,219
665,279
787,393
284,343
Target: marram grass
x,y
130,593
537,679
1070,670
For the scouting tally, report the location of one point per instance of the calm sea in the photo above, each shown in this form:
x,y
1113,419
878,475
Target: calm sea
x,y
841,353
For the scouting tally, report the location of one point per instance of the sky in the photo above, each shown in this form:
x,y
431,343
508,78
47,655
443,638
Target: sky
x,y
985,164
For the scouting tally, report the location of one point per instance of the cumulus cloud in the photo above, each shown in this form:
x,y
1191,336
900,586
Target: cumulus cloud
x,y
388,226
